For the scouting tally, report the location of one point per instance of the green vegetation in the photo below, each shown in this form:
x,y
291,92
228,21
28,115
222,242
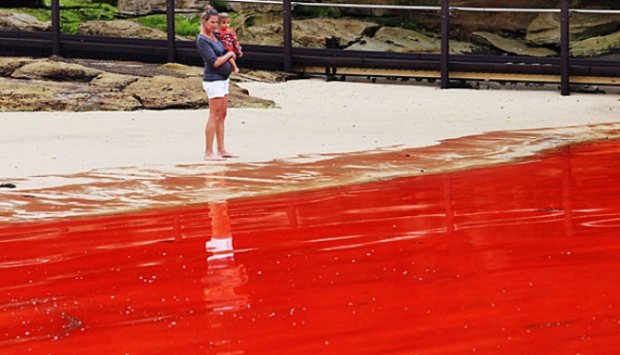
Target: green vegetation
x,y
72,13
184,25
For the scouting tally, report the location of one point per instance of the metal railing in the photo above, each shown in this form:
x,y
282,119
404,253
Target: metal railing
x,y
286,56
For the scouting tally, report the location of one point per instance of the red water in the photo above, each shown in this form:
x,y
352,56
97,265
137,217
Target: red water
x,y
522,258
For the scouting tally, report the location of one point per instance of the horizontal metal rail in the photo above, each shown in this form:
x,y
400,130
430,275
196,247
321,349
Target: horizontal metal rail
x,y
270,57
429,8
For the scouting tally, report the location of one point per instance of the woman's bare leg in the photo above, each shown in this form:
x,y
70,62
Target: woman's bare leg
x,y
220,133
217,109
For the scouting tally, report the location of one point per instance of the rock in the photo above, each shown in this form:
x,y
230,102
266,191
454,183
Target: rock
x,y
161,92
15,21
402,40
515,46
112,82
596,46
58,71
9,64
262,76
267,35
110,101
121,28
545,29
36,95
42,85
184,70
144,7
240,97
311,33
372,44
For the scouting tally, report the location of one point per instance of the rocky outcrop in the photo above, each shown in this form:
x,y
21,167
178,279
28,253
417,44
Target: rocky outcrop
x,y
56,71
545,29
515,46
311,33
596,46
144,7
353,35
161,92
52,85
15,21
9,64
121,28
39,95
413,41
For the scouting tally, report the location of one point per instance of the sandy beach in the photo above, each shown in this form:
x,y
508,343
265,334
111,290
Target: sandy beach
x,y
313,117
322,134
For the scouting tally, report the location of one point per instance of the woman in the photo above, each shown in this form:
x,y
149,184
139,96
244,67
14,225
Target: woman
x,y
215,82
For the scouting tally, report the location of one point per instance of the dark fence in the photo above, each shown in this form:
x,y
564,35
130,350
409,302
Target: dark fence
x,y
290,59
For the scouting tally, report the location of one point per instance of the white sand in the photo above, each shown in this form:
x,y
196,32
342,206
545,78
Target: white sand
x,y
313,116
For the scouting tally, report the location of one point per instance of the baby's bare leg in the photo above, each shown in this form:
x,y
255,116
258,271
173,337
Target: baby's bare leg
x,y
234,66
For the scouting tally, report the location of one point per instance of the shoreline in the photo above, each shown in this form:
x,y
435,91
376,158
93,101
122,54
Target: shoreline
x,y
323,134
312,117
104,192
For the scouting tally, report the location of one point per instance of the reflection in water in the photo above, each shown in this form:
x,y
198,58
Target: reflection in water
x,y
223,276
515,259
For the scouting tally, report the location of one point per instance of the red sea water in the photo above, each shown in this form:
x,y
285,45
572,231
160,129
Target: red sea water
x,y
521,258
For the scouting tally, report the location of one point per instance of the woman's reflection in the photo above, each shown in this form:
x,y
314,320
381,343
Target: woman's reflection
x,y
223,276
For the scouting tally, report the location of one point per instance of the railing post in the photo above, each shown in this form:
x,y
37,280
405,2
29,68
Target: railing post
x,y
565,48
445,44
287,27
56,27
170,30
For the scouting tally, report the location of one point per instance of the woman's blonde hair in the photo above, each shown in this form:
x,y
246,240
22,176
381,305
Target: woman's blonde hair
x,y
209,11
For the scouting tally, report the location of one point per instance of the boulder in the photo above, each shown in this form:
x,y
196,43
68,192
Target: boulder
x,y
596,46
545,29
9,64
515,46
15,21
57,71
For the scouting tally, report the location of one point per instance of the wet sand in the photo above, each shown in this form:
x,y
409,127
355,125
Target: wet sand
x,y
323,134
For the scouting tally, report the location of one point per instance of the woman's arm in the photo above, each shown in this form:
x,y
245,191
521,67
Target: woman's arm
x,y
208,54
223,59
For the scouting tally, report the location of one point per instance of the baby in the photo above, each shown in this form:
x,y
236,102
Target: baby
x,y
229,39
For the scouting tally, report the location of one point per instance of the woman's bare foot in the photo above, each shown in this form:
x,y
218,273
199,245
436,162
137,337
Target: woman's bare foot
x,y
226,154
214,157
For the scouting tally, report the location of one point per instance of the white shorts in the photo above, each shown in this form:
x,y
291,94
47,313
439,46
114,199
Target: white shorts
x,y
216,88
